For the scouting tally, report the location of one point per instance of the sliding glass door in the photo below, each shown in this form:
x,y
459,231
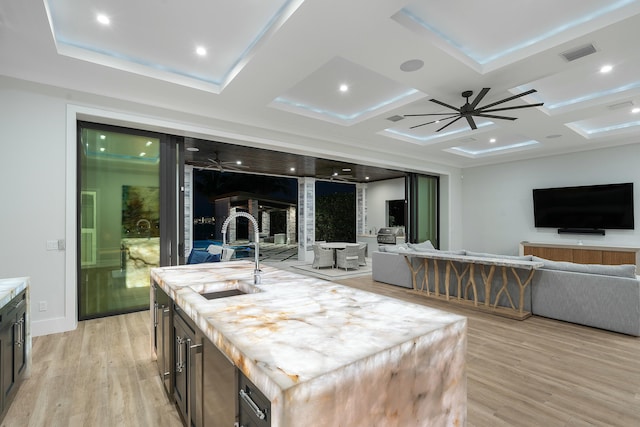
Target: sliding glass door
x,y
121,228
423,205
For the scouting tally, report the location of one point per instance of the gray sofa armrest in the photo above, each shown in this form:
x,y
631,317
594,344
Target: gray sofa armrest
x,y
605,302
391,268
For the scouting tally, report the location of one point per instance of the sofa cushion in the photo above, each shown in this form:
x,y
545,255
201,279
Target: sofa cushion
x,y
199,256
403,247
458,252
424,246
513,257
625,270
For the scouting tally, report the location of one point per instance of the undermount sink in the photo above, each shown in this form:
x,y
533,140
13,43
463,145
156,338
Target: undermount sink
x,y
224,289
223,294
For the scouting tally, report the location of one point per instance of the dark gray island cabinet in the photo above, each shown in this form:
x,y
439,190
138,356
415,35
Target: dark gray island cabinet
x,y
15,338
300,351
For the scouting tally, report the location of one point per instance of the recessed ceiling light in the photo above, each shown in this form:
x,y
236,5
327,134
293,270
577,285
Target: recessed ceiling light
x,y
366,178
492,140
346,169
103,19
344,87
200,50
606,68
149,143
335,174
193,149
238,162
102,149
412,65
143,154
292,169
103,137
635,110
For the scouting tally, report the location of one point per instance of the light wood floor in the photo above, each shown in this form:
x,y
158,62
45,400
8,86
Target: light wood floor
x,y
99,375
537,372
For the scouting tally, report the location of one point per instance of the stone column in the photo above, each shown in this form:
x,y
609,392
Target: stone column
x,y
306,217
265,223
361,209
291,225
253,207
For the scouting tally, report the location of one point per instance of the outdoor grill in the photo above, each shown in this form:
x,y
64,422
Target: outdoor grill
x,y
389,235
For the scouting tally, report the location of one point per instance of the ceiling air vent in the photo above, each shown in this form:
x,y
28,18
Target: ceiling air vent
x,y
579,52
395,118
466,140
619,105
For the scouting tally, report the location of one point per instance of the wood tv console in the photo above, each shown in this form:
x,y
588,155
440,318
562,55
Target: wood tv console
x,y
583,254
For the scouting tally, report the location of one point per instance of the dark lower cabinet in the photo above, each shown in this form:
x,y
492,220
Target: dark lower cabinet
x,y
162,328
255,408
13,348
207,388
186,351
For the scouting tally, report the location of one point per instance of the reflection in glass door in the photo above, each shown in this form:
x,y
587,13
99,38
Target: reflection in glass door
x,y
119,218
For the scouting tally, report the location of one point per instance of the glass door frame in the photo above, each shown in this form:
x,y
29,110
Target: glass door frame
x,y
171,184
412,194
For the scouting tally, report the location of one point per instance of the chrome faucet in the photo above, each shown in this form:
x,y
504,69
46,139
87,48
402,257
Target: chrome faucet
x,y
148,229
254,222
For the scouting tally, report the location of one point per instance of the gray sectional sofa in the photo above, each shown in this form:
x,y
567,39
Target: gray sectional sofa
x,y
601,296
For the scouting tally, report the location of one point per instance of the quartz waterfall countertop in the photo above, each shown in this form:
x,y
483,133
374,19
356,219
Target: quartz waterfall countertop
x,y
10,288
316,348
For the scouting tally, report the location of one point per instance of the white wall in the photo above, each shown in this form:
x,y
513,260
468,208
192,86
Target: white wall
x,y
498,203
450,206
377,195
33,172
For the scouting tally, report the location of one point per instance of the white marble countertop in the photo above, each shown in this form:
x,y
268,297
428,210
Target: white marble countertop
x,y
10,288
495,260
296,333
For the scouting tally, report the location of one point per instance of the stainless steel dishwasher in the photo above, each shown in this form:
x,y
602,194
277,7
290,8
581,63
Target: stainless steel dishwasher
x,y
217,388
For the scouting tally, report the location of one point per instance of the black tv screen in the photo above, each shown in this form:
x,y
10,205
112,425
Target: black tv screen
x,y
587,207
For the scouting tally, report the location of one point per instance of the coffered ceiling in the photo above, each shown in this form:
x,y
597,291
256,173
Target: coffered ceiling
x,y
334,79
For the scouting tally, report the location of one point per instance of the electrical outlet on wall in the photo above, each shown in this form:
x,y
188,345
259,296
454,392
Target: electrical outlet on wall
x,y
42,306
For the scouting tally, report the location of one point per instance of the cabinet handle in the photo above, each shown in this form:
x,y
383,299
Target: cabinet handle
x,y
180,361
155,314
255,408
19,303
18,330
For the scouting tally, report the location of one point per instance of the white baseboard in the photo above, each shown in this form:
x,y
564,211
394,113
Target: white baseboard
x,y
52,326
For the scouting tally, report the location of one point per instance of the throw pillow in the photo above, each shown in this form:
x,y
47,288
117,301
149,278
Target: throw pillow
x,y
421,247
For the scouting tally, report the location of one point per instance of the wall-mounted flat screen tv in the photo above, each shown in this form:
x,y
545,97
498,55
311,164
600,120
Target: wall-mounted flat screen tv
x,y
586,207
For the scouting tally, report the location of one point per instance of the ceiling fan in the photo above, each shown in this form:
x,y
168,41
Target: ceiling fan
x,y
469,110
222,166
345,176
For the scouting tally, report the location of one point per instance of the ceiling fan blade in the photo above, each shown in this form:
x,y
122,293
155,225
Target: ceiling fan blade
x,y
471,122
445,105
481,95
512,108
511,98
427,114
491,116
434,121
449,124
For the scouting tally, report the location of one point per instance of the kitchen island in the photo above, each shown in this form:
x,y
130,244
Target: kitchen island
x,y
326,354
